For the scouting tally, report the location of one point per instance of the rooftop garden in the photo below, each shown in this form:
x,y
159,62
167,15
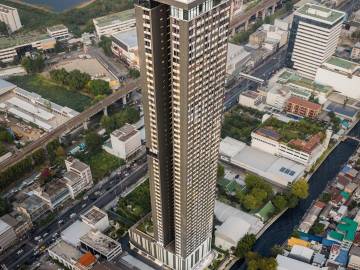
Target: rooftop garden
x,y
292,130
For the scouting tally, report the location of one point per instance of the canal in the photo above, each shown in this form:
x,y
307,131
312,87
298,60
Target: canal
x,y
281,230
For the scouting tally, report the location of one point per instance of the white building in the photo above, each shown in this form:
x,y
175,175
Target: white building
x,y
74,232
125,46
96,219
230,232
277,97
10,17
277,170
113,23
100,244
313,38
342,75
123,142
11,46
237,59
78,176
7,236
54,193
59,32
303,152
250,99
286,263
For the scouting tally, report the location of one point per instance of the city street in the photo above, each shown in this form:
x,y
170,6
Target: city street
x,y
112,188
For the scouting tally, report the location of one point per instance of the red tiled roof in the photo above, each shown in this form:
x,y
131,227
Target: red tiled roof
x,y
87,259
304,103
309,145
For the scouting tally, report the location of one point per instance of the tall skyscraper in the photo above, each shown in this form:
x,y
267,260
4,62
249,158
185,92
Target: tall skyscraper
x,y
313,38
183,49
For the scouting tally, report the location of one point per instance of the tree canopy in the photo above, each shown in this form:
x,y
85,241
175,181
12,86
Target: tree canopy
x,y
300,189
245,245
128,115
93,142
33,65
99,87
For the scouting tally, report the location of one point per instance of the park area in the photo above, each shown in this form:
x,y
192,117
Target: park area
x,y
52,91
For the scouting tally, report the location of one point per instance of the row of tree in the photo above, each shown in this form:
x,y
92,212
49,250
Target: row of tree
x,y
78,80
33,64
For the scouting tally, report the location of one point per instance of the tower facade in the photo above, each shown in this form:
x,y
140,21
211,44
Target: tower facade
x,y
313,38
183,50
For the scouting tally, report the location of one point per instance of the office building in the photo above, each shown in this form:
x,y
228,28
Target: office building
x,y
59,32
10,17
183,53
32,207
342,75
54,193
113,23
124,142
78,177
7,236
19,222
313,38
96,219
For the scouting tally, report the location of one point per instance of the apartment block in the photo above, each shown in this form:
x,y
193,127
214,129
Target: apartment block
x,y
302,107
113,23
7,236
10,17
96,219
59,32
183,53
313,38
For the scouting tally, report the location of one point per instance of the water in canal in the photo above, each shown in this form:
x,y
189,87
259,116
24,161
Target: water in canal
x,y
281,230
57,5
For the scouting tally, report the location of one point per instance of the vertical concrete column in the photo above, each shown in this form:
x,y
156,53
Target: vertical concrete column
x,y
263,15
124,101
105,111
85,124
273,9
247,24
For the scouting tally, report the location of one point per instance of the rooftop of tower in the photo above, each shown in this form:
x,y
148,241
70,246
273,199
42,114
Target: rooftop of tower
x,y
320,13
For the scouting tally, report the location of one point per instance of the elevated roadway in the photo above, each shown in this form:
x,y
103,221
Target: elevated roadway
x,y
70,125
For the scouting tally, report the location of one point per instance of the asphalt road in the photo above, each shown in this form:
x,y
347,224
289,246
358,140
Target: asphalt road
x,y
263,71
110,190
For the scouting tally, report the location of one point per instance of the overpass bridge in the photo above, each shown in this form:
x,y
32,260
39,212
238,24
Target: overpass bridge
x,y
261,10
71,124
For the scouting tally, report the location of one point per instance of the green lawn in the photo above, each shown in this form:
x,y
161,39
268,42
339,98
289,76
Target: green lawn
x,y
101,164
52,91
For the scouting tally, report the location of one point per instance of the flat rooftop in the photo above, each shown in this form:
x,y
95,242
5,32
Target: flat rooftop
x,y
125,132
5,8
79,166
58,27
5,87
3,226
22,39
320,13
115,18
66,251
74,232
54,187
94,215
250,94
304,103
129,38
278,170
99,241
341,63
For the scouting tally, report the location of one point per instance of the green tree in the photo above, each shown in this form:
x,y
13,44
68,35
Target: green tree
x,y
325,197
105,44
5,135
39,156
3,29
276,250
77,79
280,202
134,73
220,171
245,245
292,200
33,65
59,75
99,87
256,262
93,142
300,189
250,202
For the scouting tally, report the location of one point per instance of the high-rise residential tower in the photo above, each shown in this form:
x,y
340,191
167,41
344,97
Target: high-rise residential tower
x,y
182,51
313,38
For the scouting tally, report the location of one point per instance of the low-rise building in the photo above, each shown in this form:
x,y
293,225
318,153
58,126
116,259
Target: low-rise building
x,y
33,207
286,263
354,258
74,232
17,45
230,232
71,257
355,52
301,107
123,142
277,97
342,75
54,193
7,236
10,16
113,23
277,170
238,59
78,176
125,46
19,222
344,233
96,219
250,99
100,244
59,32
301,253
305,152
